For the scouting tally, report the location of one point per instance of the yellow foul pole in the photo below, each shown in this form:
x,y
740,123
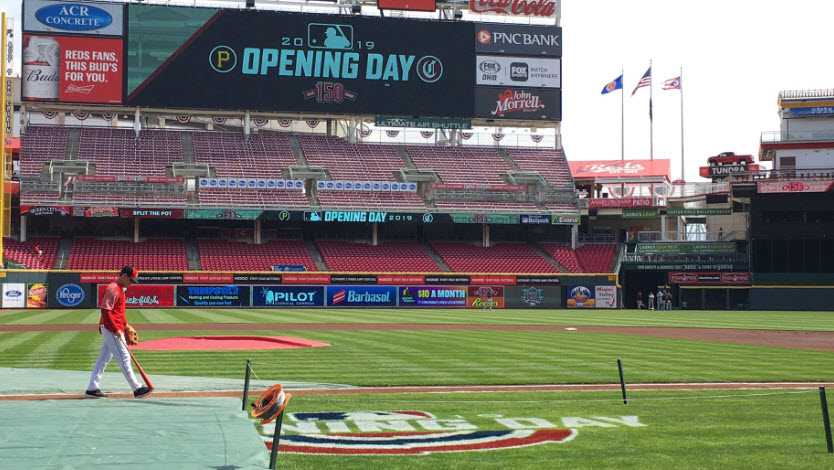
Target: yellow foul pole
x,y
3,136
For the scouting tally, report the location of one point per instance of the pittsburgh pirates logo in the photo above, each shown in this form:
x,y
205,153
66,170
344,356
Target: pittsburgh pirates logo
x,y
223,59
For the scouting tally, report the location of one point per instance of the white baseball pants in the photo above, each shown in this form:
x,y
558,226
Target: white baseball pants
x,y
112,346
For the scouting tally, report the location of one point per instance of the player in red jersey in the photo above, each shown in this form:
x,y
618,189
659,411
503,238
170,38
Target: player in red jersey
x,y
112,325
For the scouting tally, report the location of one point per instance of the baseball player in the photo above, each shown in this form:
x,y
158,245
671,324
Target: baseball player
x,y
112,324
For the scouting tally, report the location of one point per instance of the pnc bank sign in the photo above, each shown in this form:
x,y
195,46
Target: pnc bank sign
x,y
518,39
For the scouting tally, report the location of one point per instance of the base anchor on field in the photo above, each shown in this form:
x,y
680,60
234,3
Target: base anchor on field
x,y
826,421
622,381
246,375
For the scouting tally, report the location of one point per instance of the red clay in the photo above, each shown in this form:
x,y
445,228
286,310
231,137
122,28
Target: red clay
x,y
227,343
811,340
452,389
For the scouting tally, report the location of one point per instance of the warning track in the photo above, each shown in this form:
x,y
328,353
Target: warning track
x,y
810,340
453,389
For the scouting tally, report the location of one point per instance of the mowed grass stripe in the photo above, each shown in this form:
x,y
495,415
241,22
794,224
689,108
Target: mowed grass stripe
x,y
454,357
811,321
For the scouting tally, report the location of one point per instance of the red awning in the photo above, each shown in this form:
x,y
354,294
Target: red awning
x,y
13,144
626,169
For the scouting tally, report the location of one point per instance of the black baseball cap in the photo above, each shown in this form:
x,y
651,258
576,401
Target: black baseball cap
x,y
131,273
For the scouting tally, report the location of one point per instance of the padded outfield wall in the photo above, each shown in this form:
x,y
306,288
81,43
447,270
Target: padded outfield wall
x,y
78,290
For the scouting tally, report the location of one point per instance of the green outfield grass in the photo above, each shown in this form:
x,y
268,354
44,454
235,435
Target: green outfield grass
x,y
402,357
681,430
800,320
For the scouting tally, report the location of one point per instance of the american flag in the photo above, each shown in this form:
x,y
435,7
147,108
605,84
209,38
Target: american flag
x,y
644,82
672,84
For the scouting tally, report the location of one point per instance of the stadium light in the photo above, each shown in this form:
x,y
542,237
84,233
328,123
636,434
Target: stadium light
x,y
458,14
250,3
356,9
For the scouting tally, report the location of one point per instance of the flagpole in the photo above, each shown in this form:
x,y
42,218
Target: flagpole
x,y
651,113
683,159
622,114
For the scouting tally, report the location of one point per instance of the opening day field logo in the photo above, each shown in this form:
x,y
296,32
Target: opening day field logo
x,y
421,433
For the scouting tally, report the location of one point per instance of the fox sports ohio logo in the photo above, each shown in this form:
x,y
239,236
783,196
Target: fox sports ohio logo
x,y
70,295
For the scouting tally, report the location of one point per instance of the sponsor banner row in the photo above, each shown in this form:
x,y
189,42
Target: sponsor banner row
x,y
65,292
298,278
794,186
343,216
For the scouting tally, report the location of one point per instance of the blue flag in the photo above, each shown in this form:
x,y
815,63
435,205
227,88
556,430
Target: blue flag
x,y
614,85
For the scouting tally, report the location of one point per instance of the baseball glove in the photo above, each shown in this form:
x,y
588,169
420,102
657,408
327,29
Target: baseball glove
x,y
131,335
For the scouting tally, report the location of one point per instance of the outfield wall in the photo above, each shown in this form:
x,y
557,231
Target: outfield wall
x,y
82,290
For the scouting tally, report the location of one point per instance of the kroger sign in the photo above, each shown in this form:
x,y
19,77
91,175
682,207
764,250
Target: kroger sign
x,y
70,295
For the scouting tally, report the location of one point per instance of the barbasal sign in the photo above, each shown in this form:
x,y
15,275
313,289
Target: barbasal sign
x,y
421,433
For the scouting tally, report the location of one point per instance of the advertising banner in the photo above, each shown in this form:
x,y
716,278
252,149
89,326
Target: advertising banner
x,y
469,218
795,186
485,297
709,279
518,39
432,296
257,278
535,104
14,295
85,18
361,296
145,295
606,296
362,217
641,213
213,296
519,8
535,219
518,71
67,291
581,297
410,5
36,295
72,69
288,296
686,248
223,214
620,168
153,213
533,297
423,122
298,62
703,211
45,210
621,202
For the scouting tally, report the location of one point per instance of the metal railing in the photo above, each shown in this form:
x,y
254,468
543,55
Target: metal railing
x,y
822,93
698,189
464,139
770,175
775,137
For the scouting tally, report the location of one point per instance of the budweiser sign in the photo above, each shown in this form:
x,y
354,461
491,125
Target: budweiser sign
x,y
517,101
528,8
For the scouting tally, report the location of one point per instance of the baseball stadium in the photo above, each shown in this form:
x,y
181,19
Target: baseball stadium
x,y
349,234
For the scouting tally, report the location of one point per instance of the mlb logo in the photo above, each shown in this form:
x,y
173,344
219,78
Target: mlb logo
x,y
519,72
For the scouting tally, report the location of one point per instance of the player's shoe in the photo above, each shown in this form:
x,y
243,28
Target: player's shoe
x,y
94,394
141,392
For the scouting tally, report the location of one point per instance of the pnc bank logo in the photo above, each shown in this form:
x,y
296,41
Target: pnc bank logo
x,y
223,59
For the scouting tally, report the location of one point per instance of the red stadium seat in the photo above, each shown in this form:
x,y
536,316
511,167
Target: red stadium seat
x,y
388,257
219,255
149,255
501,258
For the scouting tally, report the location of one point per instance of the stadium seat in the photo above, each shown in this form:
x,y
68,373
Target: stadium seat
x,y
220,255
24,253
387,257
149,255
501,258
481,165
592,258
355,162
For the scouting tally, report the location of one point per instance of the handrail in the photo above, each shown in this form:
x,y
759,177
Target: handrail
x,y
775,137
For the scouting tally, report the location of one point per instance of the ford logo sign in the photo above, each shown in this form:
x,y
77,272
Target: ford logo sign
x,y
74,17
13,294
70,295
